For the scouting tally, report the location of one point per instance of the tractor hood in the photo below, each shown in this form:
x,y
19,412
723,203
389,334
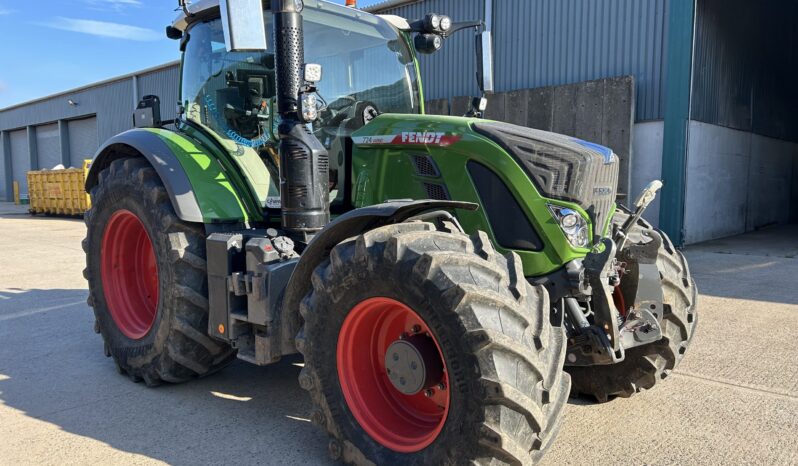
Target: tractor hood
x,y
560,167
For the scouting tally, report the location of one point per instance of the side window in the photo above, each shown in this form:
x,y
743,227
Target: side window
x,y
230,93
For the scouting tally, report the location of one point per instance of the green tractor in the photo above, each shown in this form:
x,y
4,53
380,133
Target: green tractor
x,y
448,280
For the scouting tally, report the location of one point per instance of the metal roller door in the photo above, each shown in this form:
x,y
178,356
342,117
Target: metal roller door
x,y
20,159
82,140
3,189
48,145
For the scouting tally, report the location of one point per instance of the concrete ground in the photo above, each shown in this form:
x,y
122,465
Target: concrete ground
x,y
733,400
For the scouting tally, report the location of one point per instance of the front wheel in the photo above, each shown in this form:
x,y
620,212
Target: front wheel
x,y
427,347
644,366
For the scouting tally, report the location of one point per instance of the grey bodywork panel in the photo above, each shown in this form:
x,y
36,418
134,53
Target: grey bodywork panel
x,y
147,144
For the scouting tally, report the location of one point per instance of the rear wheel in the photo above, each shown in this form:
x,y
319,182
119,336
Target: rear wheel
x,y
427,347
644,366
147,279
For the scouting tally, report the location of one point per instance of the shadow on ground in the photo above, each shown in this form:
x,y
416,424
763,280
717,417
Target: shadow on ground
x,y
52,369
757,266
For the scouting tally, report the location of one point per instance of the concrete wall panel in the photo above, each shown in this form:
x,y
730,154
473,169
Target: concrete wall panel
x,y
770,179
647,166
736,182
717,180
794,197
48,145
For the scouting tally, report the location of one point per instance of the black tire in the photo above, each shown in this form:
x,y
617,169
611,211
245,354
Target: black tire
x,y
503,348
645,366
177,347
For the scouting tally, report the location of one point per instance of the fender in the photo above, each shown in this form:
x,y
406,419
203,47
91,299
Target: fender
x,y
347,225
199,189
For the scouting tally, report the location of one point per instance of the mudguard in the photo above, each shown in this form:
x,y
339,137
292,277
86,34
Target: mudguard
x,y
199,189
350,224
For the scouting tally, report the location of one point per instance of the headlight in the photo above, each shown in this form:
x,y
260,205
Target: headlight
x,y
572,224
309,110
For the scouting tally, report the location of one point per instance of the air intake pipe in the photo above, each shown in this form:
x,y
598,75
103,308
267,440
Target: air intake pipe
x,y
304,162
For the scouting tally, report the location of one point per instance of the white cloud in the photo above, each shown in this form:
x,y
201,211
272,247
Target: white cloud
x,y
103,28
117,5
5,11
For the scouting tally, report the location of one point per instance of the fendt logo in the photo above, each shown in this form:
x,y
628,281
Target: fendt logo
x,y
422,138
602,191
409,138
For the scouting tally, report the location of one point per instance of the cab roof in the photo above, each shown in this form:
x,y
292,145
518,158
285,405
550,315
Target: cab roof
x,y
202,9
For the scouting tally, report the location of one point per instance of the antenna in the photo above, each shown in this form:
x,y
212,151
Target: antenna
x,y
182,5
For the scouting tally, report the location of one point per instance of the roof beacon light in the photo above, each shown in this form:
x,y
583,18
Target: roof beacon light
x,y
351,3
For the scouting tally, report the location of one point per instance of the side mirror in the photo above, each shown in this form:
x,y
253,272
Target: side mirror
x,y
243,25
173,33
484,62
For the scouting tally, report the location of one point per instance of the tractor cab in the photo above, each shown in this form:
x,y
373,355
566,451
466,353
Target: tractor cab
x,y
368,69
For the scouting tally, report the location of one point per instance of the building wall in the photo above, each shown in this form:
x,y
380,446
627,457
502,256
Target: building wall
x,y
743,138
541,43
647,141
83,140
98,112
737,181
746,60
165,84
20,161
449,72
5,167
48,145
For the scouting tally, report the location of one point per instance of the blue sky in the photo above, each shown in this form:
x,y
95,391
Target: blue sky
x,y
48,46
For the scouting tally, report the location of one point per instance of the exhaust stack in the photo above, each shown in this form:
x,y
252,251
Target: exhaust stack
x,y
304,162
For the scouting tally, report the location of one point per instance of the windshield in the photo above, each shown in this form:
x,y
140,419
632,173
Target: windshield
x,y
364,61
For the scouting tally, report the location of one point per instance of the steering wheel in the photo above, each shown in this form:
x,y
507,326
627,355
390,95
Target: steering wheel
x,y
335,113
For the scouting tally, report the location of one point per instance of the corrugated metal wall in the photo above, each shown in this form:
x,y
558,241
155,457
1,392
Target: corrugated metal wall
x,y
20,158
83,140
551,42
746,62
48,145
112,102
99,112
165,84
450,71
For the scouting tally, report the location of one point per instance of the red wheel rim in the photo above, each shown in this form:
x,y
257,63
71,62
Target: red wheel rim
x,y
400,422
129,274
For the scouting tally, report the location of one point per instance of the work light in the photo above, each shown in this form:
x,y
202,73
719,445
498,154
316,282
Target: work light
x,y
428,43
446,23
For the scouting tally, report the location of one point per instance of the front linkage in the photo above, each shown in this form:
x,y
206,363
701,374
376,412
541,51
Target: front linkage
x,y
603,327
630,305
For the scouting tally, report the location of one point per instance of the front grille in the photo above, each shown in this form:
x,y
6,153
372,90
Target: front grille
x,y
562,167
